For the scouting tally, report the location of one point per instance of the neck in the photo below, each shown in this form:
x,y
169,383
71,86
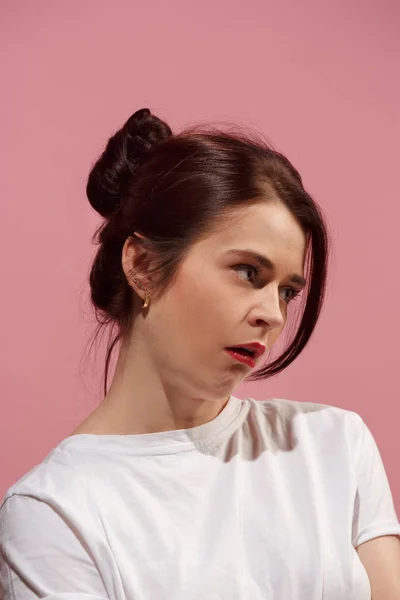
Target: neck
x,y
140,400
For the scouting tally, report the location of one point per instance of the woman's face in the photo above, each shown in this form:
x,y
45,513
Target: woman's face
x,y
224,297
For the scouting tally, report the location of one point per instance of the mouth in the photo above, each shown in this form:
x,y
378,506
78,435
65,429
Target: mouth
x,y
246,353
240,356
252,349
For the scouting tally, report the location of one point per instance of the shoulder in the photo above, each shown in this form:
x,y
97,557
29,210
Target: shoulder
x,y
324,422
62,473
286,409
53,503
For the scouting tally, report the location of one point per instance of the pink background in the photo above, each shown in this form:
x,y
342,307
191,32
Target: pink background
x,y
319,78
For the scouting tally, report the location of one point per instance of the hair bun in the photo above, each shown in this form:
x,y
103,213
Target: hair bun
x,y
113,172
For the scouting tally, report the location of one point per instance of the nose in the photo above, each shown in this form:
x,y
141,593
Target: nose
x,y
269,311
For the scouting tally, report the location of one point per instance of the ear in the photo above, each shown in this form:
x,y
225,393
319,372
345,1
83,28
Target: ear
x,y
135,262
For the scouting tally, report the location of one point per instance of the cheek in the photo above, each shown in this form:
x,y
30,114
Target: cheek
x,y
275,333
273,336
199,307
188,305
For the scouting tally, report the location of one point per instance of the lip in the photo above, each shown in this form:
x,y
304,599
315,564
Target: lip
x,y
249,361
256,347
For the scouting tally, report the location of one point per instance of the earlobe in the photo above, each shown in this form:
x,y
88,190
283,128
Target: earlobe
x,y
134,281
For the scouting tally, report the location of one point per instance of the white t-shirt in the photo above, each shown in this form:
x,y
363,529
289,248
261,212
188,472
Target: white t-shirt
x,y
268,501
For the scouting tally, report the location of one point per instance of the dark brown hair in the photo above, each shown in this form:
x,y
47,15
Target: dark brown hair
x,y
175,189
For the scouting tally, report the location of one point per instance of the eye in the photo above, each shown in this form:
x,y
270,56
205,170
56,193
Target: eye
x,y
294,293
248,268
291,292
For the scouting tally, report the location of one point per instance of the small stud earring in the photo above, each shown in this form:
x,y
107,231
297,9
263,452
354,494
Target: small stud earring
x,y
137,282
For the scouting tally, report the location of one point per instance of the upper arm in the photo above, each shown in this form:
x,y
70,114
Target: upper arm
x,y
44,556
375,524
374,514
381,559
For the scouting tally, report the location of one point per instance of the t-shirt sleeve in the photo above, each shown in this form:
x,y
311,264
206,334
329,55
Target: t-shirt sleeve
x,y
374,513
41,556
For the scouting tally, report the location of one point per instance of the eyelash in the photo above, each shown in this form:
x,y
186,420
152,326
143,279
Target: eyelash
x,y
257,270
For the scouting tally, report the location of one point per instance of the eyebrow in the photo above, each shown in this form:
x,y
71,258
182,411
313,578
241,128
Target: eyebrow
x,y
268,264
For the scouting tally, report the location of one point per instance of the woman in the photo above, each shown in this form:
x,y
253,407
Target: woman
x,y
173,488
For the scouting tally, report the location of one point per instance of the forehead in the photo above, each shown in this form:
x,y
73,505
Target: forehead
x,y
268,228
